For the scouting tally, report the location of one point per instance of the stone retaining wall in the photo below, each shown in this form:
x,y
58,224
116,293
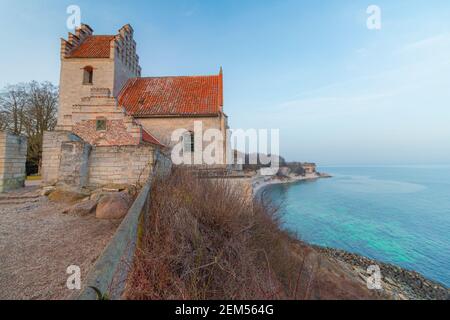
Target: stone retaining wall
x,y
123,165
68,160
51,154
13,156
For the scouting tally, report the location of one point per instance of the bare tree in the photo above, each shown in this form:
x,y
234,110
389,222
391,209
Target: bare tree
x,y
40,117
13,101
29,109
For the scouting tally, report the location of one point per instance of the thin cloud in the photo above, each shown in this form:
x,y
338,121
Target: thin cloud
x,y
349,100
430,42
190,12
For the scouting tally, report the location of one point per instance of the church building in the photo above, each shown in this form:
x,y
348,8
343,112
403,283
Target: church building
x,y
106,106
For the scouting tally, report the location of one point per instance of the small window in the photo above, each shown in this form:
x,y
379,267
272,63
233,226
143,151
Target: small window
x,y
88,76
189,142
100,125
192,142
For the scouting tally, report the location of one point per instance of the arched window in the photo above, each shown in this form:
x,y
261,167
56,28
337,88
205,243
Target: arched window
x,y
188,142
88,75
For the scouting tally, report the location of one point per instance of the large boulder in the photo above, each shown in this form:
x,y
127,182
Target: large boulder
x,y
66,196
113,206
83,208
97,194
47,190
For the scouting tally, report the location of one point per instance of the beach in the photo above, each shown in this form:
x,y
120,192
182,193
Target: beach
x,y
260,182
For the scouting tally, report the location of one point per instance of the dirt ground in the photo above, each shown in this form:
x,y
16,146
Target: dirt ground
x,y
38,242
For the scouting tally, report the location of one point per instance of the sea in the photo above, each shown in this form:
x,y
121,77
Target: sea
x,y
394,214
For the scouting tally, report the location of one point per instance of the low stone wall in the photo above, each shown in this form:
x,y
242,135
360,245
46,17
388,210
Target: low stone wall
x,y
68,160
51,154
123,165
241,183
163,164
74,164
13,156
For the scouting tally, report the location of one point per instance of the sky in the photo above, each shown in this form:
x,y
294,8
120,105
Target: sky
x,y
340,93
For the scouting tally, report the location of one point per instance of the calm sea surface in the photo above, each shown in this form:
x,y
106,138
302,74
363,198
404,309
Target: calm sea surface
x,y
399,215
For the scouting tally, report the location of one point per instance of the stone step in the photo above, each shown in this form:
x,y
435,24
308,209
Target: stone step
x,y
19,197
18,201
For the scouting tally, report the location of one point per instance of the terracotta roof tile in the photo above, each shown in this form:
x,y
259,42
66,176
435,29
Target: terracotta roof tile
x,y
147,137
93,47
165,96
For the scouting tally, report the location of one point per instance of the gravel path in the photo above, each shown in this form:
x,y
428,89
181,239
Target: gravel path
x,y
38,243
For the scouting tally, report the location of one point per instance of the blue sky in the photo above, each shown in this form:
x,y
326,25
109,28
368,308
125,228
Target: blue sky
x,y
338,92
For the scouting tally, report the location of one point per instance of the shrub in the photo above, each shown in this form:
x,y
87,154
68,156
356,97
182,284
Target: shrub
x,y
296,168
204,239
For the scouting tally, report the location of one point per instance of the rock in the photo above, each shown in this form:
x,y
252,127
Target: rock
x,y
284,171
111,190
84,208
390,281
132,190
115,187
47,190
113,206
66,196
402,297
97,194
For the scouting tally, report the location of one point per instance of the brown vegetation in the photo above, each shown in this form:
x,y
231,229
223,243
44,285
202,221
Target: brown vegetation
x,y
205,240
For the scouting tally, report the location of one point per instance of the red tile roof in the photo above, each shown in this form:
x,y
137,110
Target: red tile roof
x,y
93,47
177,96
147,137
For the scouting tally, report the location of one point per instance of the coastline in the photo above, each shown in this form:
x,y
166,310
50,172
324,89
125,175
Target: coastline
x,y
397,282
261,182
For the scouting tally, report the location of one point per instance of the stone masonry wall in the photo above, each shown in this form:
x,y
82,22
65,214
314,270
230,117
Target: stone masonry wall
x,y
51,154
108,73
162,128
68,160
163,164
13,156
72,89
115,134
74,165
120,164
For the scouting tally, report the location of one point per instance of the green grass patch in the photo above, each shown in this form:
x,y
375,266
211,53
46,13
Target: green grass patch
x,y
34,178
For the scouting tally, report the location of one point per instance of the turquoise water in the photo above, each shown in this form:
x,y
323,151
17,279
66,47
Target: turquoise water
x,y
399,215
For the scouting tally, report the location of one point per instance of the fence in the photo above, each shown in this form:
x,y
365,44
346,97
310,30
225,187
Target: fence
x,y
109,274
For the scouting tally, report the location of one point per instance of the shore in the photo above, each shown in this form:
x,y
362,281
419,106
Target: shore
x,y
259,183
397,283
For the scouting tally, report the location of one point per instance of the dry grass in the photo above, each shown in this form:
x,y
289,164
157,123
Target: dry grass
x,y
205,240
34,178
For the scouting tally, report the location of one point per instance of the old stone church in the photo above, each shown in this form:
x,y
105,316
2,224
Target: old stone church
x,y
113,123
